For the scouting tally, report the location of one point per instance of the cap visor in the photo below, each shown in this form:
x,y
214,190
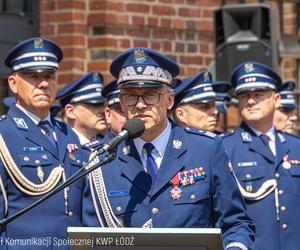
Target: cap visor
x,y
126,85
38,69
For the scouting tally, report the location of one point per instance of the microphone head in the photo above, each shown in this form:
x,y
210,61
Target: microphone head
x,y
135,127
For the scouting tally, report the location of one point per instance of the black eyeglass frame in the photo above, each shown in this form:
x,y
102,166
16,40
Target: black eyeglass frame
x,y
158,95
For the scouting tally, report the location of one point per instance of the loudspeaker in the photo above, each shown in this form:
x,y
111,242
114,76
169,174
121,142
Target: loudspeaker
x,y
245,32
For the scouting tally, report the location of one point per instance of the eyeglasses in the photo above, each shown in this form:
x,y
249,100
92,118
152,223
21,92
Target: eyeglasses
x,y
148,98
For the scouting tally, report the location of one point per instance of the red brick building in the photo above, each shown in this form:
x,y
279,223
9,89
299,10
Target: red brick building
x,y
92,32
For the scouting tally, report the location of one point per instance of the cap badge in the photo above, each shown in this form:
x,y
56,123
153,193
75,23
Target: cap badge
x,y
96,78
206,77
38,43
248,67
139,55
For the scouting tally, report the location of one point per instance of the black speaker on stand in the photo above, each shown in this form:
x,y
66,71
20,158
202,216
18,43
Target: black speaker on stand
x,y
245,32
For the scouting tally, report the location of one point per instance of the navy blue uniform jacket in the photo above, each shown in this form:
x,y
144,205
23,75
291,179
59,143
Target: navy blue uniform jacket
x,y
214,201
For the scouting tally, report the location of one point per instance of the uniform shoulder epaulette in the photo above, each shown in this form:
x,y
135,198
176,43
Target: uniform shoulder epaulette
x,y
201,132
93,144
2,117
289,134
227,134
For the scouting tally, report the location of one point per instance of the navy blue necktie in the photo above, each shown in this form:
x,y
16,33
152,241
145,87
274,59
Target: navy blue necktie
x,y
47,128
266,140
152,168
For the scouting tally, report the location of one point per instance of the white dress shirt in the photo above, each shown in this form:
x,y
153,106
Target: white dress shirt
x,y
36,119
82,139
160,144
271,135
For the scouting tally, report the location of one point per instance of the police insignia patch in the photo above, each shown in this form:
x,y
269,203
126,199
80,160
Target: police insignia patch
x,y
20,123
246,137
177,144
281,137
248,186
126,150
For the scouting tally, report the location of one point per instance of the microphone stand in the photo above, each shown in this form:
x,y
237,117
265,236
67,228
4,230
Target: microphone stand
x,y
78,175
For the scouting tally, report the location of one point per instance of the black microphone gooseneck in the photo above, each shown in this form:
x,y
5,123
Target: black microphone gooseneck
x,y
132,128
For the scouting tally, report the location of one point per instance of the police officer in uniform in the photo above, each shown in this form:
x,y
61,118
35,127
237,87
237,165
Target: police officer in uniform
x,y
37,152
84,107
285,117
194,105
170,176
113,113
265,161
221,89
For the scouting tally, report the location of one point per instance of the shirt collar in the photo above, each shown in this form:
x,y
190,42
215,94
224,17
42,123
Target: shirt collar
x,y
82,139
160,142
33,117
270,133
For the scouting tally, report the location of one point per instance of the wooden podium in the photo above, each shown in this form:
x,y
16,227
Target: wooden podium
x,y
86,238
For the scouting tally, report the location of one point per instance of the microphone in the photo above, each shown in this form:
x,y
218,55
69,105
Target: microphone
x,y
132,128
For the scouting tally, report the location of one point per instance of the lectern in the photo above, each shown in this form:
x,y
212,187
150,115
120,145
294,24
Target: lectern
x,y
85,238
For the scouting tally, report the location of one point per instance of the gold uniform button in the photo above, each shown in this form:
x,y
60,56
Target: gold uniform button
x,y
118,209
284,226
281,192
193,197
277,175
283,208
155,210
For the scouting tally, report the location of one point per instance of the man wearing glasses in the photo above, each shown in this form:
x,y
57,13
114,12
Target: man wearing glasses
x,y
170,176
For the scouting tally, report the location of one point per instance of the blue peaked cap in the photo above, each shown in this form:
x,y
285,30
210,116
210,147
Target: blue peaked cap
x,y
287,100
143,67
221,89
197,89
34,55
111,92
250,76
87,89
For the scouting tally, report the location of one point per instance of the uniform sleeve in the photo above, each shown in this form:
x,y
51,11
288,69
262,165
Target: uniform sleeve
x,y
230,214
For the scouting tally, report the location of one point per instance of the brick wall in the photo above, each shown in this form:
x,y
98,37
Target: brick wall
x,y
92,32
